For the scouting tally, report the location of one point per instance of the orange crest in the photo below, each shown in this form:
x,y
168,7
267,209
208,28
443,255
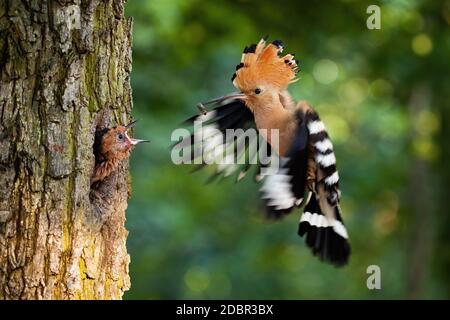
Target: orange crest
x,y
263,64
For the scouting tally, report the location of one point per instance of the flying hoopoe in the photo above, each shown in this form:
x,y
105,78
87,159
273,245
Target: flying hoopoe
x,y
111,145
307,174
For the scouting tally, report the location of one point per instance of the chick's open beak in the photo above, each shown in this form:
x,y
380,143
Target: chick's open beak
x,y
137,141
133,141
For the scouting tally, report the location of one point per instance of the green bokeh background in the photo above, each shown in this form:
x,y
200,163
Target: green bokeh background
x,y
384,96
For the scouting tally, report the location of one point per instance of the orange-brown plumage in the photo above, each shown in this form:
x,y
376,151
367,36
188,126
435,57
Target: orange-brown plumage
x,y
263,77
110,147
264,66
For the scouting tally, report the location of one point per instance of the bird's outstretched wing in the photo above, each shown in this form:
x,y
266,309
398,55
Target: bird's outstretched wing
x,y
227,138
308,176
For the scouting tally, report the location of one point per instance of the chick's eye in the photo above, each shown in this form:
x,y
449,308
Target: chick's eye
x,y
120,136
257,90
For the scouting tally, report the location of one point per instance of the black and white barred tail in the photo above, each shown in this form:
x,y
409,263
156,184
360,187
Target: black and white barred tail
x,y
326,171
326,236
321,221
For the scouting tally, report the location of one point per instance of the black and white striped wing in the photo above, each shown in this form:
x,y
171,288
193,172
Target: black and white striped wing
x,y
227,138
284,190
327,174
321,221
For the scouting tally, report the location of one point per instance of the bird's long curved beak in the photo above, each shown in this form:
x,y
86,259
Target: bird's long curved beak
x,y
233,95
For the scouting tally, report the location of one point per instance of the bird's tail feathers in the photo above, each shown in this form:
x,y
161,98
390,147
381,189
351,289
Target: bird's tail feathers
x,y
325,159
326,236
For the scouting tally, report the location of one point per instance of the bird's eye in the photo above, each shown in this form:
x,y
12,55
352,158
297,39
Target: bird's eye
x,y
257,90
120,136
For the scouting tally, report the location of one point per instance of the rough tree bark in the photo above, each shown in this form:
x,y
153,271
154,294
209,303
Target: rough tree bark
x,y
64,71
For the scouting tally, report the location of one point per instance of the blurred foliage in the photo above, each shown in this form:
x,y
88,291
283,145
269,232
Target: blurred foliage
x,y
192,240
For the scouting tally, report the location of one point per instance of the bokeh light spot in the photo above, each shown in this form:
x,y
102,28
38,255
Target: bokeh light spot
x,y
336,126
422,44
380,88
197,279
353,92
325,71
427,123
425,149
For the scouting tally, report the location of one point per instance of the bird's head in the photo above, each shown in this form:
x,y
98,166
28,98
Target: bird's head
x,y
115,141
262,74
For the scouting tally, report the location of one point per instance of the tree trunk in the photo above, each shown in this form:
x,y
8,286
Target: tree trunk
x,y
64,71
421,206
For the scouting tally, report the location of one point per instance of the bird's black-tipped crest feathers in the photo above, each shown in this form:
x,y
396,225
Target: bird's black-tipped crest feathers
x,y
261,63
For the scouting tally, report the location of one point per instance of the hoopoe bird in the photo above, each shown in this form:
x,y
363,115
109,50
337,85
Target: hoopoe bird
x,y
111,145
307,174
